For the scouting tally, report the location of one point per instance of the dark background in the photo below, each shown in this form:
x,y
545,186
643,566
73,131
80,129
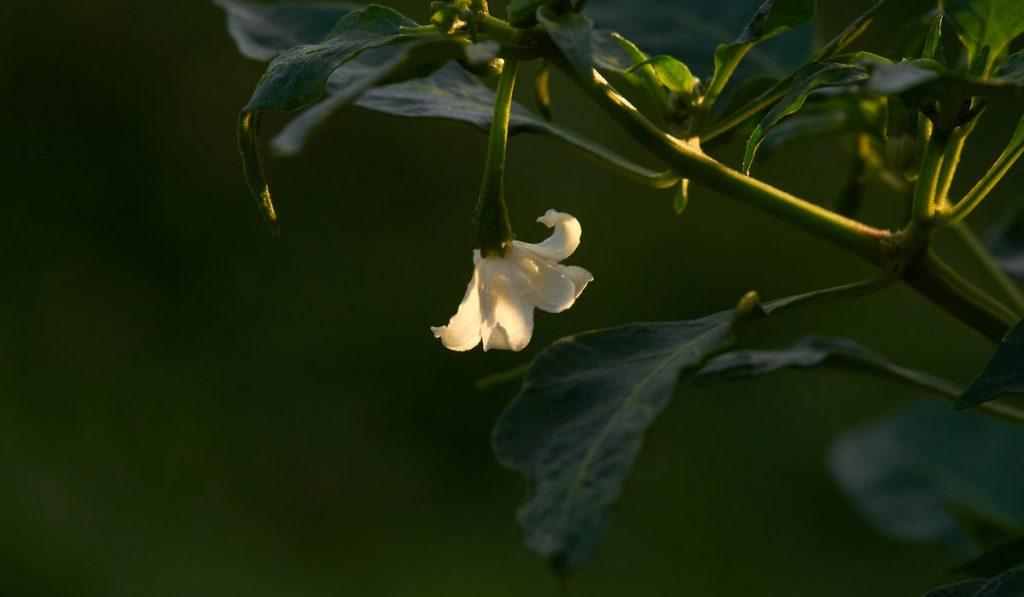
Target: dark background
x,y
189,406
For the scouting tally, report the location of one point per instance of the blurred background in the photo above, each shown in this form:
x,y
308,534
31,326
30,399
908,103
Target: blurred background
x,y
189,406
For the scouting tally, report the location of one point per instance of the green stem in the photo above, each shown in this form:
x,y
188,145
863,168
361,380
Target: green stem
x,y
988,182
940,284
690,163
723,72
983,258
494,230
923,210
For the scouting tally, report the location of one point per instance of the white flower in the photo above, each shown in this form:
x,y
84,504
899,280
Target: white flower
x,y
499,302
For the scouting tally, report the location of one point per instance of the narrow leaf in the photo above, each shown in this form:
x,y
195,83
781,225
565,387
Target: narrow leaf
x,y
249,146
261,30
808,79
578,423
933,49
682,197
671,73
1003,375
814,351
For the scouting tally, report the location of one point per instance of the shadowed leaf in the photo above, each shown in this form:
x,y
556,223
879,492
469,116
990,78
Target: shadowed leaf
x,y
261,30
1004,373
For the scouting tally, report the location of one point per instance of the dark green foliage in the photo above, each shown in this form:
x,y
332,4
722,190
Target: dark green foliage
x,y
690,31
571,34
808,79
913,473
262,30
578,423
1003,375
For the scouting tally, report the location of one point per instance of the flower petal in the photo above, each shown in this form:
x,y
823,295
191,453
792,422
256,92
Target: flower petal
x,y
579,276
563,241
507,313
463,330
541,280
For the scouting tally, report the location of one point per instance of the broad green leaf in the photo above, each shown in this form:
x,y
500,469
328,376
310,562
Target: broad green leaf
x,y
578,423
296,77
261,30
1003,375
450,93
980,23
807,125
1007,584
808,79
909,473
690,31
357,77
571,34
814,351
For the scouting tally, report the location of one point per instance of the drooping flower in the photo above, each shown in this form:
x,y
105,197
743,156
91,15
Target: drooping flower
x,y
499,302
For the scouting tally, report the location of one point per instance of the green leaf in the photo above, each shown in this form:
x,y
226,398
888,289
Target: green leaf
x,y
261,30
571,34
933,48
296,77
357,77
690,31
1003,375
910,472
807,125
1013,68
980,23
1007,584
814,351
671,73
251,150
808,79
577,424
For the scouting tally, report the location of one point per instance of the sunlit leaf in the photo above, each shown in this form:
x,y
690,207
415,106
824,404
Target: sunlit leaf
x,y
1007,584
578,423
980,23
772,18
670,73
1004,373
909,472
261,29
808,79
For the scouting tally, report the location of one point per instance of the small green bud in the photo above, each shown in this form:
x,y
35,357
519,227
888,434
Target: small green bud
x,y
903,151
445,17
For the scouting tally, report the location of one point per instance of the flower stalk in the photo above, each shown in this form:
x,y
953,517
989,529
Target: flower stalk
x,y
494,230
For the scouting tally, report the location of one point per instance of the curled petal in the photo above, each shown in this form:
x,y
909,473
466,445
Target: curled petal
x,y
563,241
507,315
542,281
463,330
579,276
